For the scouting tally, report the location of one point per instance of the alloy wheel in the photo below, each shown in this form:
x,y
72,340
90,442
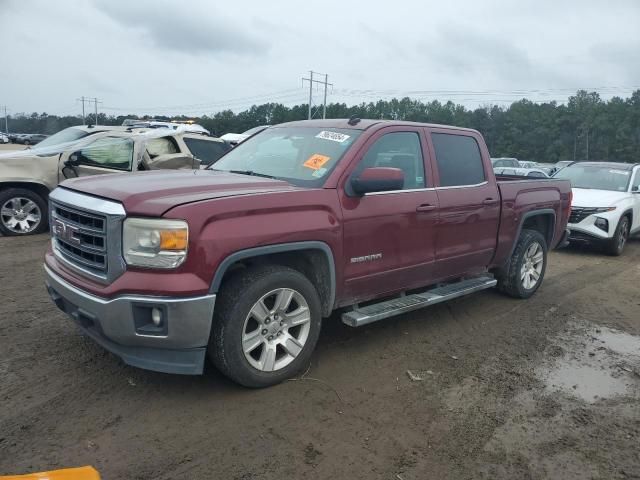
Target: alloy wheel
x,y
276,329
20,215
532,264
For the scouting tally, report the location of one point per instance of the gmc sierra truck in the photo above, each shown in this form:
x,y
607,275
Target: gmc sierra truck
x,y
242,261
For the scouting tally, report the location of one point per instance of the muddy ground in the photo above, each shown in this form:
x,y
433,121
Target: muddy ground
x,y
544,388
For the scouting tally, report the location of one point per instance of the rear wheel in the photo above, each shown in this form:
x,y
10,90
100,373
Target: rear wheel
x,y
527,266
619,240
266,325
22,212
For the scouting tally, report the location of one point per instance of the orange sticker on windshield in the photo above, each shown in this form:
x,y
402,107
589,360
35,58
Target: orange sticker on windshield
x,y
316,161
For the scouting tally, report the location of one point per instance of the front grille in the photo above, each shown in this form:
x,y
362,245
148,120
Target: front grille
x,y
80,237
578,214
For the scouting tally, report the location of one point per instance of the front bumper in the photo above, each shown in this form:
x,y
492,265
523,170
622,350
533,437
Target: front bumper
x,y
120,326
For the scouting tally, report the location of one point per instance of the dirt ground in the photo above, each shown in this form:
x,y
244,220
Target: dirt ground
x,y
501,389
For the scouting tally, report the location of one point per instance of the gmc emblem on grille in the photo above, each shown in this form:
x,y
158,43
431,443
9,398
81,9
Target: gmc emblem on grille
x,y
65,232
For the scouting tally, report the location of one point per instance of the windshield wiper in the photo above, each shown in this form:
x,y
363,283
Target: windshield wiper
x,y
249,172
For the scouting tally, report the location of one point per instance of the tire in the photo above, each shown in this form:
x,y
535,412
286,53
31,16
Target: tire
x,y
14,199
519,281
615,246
239,314
26,142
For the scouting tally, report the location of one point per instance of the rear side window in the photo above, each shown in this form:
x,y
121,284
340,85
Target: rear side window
x,y
161,146
459,160
207,151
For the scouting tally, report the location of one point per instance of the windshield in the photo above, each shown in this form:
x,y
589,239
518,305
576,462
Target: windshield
x,y
300,155
63,136
596,177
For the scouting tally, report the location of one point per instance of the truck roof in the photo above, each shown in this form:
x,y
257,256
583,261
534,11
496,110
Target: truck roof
x,y
363,124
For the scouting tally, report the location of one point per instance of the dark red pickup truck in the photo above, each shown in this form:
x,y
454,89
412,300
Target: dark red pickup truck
x,y
243,261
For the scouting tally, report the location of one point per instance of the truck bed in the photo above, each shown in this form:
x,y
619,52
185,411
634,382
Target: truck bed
x,y
522,196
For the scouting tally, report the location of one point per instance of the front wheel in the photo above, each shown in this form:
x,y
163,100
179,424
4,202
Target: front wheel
x,y
22,212
265,326
619,240
527,265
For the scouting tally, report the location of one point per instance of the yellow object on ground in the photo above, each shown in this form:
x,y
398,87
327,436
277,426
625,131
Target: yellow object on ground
x,y
81,473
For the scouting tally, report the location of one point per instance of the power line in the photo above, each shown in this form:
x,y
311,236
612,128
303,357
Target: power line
x,y
205,105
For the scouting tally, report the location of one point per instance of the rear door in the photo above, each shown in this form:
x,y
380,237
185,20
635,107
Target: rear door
x,y
468,199
389,236
105,155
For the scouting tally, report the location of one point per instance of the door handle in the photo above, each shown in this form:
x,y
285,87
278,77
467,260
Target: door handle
x,y
425,208
489,201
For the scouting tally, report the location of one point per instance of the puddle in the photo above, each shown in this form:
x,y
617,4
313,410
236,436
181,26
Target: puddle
x,y
594,364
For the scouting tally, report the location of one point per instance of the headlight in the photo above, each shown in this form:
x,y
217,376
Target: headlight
x,y
156,243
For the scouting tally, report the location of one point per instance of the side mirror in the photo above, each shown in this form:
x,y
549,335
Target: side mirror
x,y
173,161
635,189
70,164
73,160
378,179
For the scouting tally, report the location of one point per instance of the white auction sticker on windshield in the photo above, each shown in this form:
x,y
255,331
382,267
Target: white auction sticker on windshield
x,y
620,172
333,136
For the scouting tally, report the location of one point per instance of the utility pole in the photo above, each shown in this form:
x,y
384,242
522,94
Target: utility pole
x,y
324,104
96,102
6,119
311,82
310,91
83,99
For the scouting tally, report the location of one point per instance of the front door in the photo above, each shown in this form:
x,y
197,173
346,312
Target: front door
x,y
389,236
105,155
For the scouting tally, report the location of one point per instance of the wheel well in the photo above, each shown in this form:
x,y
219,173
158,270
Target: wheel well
x,y
629,213
312,263
543,223
34,187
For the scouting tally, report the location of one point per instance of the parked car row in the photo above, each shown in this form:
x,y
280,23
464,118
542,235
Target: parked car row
x,y
24,138
242,259
513,166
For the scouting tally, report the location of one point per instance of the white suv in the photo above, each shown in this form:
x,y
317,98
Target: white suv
x,y
606,203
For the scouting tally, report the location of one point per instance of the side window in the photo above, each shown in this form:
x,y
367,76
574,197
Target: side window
x,y
207,151
635,186
161,146
398,150
108,152
459,160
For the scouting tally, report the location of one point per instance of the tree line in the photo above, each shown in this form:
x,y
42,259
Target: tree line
x,y
585,128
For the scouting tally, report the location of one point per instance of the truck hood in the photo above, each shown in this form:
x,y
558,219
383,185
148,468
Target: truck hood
x,y
153,193
24,166
587,197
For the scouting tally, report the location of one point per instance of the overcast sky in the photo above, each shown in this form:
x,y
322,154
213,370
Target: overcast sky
x,y
195,57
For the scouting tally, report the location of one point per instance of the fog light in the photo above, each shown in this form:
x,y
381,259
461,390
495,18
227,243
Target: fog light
x,y
602,224
156,316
